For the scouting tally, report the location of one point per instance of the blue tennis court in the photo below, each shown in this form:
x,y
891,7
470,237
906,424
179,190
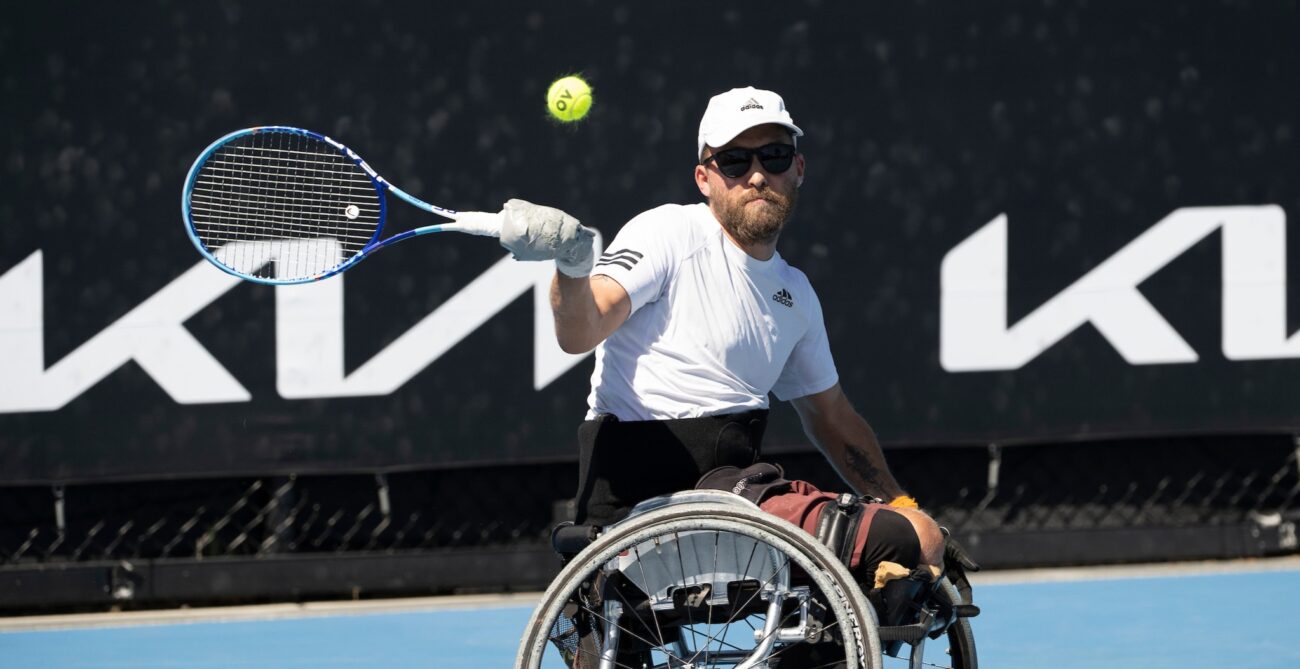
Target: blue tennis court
x,y
1240,615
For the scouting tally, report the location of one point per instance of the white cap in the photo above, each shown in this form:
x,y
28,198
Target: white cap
x,y
738,110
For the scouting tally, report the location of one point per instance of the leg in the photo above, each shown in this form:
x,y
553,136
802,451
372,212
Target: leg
x,y
927,532
906,536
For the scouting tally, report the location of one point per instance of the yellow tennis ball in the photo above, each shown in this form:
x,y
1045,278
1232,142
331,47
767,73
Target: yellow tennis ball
x,y
569,99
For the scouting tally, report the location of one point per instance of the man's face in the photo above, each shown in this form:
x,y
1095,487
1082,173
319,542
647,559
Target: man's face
x,y
753,207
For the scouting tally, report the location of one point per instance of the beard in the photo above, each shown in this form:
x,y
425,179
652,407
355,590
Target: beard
x,y
757,225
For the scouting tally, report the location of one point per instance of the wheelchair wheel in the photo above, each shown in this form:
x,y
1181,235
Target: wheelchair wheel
x,y
961,639
702,584
954,649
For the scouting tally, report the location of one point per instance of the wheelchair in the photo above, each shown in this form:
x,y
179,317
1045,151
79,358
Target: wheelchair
x,y
703,579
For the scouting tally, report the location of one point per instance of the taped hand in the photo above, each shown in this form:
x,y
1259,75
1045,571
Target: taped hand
x,y
534,232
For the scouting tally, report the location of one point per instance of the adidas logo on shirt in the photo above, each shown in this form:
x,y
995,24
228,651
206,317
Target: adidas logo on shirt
x,y
625,258
751,104
784,297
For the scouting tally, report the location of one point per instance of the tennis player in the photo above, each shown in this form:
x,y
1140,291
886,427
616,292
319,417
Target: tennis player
x,y
695,318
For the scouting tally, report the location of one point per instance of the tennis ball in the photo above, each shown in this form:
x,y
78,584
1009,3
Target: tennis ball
x,y
569,99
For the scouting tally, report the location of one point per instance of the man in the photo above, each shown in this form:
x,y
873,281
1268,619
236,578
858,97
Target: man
x,y
695,318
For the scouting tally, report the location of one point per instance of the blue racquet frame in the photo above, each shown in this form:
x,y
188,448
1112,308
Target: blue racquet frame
x,y
478,223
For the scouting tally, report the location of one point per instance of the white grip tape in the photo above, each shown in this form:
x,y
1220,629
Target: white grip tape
x,y
482,223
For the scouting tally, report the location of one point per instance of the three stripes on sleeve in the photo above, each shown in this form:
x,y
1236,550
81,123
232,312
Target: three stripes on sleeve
x,y
625,258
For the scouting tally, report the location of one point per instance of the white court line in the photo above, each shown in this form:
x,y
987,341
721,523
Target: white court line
x,y
264,612
1120,572
528,600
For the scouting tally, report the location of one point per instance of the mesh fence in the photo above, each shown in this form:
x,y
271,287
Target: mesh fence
x,y
1162,483
277,515
1085,486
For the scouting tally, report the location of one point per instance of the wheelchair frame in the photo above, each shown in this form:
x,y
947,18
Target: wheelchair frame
x,y
706,526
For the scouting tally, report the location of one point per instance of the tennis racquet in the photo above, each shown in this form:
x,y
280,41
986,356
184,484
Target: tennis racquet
x,y
281,205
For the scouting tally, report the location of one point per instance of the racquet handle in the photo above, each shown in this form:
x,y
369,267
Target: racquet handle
x,y
482,223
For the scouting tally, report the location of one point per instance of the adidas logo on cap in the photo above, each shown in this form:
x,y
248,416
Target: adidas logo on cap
x,y
738,110
783,296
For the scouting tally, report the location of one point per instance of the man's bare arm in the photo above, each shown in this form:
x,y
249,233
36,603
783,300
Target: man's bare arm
x,y
850,444
587,310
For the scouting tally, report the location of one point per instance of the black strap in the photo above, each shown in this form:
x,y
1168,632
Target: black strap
x,y
837,525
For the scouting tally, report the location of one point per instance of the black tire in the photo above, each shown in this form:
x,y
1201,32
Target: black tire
x,y
961,638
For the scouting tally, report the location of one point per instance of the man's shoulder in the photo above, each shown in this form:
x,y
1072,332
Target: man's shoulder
x,y
679,229
668,217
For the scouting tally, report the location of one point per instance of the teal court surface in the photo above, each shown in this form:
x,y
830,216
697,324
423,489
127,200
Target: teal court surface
x,y
1232,614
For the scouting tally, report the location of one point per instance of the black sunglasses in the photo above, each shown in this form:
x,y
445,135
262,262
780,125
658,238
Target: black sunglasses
x,y
734,163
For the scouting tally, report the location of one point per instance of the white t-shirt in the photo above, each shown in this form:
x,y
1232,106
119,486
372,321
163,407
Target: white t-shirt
x,y
712,329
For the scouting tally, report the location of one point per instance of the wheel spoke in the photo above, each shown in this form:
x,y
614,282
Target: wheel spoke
x,y
658,631
624,629
736,610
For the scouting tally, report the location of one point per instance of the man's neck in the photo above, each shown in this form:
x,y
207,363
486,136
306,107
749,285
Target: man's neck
x,y
756,250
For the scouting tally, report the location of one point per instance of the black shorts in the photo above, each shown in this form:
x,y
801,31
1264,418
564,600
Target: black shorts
x,y
621,463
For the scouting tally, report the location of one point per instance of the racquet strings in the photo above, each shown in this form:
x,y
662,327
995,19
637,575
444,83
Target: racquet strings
x,y
283,206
